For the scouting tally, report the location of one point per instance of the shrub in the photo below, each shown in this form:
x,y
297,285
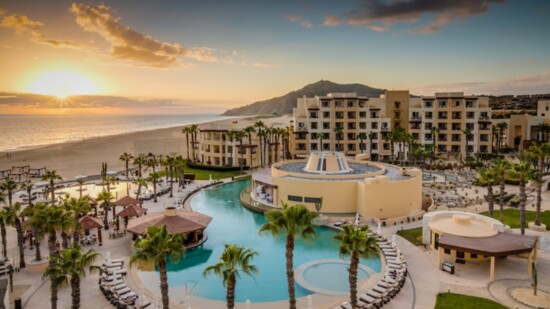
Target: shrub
x,y
216,168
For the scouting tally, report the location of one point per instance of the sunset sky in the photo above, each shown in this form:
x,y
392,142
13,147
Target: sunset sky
x,y
223,54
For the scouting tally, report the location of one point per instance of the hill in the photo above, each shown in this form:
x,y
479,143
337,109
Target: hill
x,y
284,104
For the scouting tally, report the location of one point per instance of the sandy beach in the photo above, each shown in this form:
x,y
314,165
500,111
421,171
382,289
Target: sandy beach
x,y
85,157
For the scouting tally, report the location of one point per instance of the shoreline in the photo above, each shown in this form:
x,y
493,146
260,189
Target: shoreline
x,y
33,147
84,156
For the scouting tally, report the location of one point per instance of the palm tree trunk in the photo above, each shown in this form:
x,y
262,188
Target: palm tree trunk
x,y
231,291
538,202
187,140
155,191
490,199
64,240
290,270
53,298
354,265
164,284
127,169
20,242
171,182
4,240
53,193
522,206
75,292
501,200
38,253
51,244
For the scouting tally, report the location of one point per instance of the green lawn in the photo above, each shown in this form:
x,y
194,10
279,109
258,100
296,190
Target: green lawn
x,y
459,301
511,216
202,174
412,235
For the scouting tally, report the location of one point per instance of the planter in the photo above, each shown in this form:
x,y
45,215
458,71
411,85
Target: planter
x,y
37,267
536,228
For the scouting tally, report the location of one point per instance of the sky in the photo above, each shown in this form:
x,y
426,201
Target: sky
x,y
223,54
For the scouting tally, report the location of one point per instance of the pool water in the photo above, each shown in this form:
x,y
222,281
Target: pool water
x,y
232,223
337,272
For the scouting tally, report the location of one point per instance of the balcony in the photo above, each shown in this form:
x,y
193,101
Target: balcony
x,y
415,119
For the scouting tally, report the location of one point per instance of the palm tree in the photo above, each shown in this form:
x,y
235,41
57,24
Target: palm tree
x,y
239,135
434,131
139,161
154,178
502,126
262,135
9,186
77,207
51,176
501,170
248,131
230,134
355,242
81,182
361,136
141,183
151,162
320,137
523,172
3,224
468,134
57,277
105,197
38,234
27,186
540,153
260,125
487,177
337,134
49,220
73,264
233,260
193,131
154,248
295,221
371,137
543,128
186,131
126,157
12,216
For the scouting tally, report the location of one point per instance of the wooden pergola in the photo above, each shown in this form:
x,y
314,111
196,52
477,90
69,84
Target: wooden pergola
x,y
499,245
87,223
130,211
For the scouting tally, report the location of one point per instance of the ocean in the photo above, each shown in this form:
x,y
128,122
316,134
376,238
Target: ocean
x,y
19,132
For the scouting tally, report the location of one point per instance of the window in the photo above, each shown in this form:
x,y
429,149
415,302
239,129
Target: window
x,y
295,198
326,114
460,254
473,255
326,125
447,251
374,125
428,104
397,104
312,200
314,125
442,104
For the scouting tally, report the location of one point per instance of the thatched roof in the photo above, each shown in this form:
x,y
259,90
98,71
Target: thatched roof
x,y
128,201
132,211
89,223
176,221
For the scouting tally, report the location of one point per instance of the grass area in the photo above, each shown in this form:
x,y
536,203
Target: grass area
x,y
412,235
202,174
511,216
459,301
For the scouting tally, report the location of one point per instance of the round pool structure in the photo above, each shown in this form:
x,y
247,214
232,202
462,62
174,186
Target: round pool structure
x,y
232,223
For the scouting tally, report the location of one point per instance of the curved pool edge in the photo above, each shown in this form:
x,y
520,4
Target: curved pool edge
x,y
300,279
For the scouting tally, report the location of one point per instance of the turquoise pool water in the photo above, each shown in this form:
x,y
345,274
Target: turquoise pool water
x,y
232,223
337,272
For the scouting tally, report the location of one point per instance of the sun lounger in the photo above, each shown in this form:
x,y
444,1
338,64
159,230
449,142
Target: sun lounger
x,y
374,294
123,271
123,291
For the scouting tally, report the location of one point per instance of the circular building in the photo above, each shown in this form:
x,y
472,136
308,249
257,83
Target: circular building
x,y
340,186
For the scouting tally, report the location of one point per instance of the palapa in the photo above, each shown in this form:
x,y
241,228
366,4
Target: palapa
x,y
88,223
132,211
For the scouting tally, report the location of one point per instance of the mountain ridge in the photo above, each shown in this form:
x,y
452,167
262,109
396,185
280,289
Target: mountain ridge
x,y
284,104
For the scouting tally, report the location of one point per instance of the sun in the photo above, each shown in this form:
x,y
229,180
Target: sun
x,y
62,84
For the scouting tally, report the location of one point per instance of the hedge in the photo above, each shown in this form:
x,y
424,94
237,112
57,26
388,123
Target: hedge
x,y
216,168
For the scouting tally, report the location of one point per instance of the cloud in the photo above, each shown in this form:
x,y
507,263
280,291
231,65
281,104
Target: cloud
x,y
299,19
380,15
332,21
523,84
24,25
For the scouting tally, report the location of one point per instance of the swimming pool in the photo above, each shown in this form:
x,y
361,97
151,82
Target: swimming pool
x,y
232,223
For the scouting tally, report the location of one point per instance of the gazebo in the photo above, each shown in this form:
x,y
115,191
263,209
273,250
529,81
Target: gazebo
x,y
125,202
177,222
499,245
130,211
87,223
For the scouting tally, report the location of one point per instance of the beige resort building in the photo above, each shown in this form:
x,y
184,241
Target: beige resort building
x,y
451,113
342,186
